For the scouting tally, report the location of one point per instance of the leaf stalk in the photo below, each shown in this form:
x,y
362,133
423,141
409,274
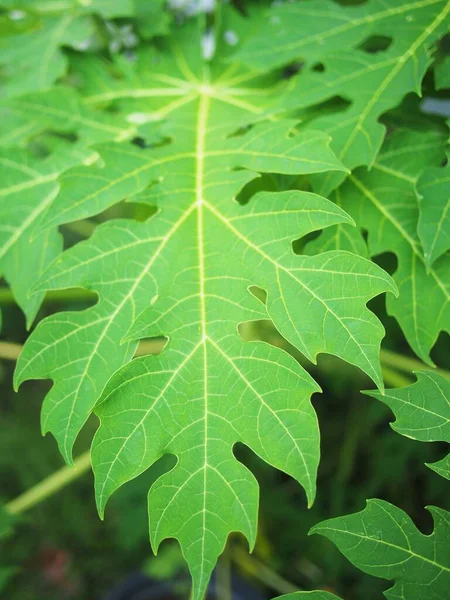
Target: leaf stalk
x,y
50,485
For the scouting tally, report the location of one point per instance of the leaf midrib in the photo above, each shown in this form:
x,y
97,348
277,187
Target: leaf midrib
x,y
202,120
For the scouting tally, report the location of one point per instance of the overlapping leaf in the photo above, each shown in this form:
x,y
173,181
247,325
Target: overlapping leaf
x,y
312,30
28,185
324,32
382,541
442,467
186,274
433,189
422,411
383,202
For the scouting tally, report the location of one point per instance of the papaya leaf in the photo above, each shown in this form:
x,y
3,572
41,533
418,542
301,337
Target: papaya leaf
x,y
441,467
383,541
187,274
384,77
314,29
422,411
28,185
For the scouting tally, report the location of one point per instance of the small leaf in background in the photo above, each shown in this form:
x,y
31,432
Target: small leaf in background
x,y
383,541
442,467
27,186
422,411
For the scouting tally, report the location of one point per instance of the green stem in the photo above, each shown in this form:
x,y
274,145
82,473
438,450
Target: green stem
x,y
394,379
9,350
75,294
50,485
407,363
347,454
262,572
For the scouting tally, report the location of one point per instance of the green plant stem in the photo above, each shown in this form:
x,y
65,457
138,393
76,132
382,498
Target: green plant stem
x,y
10,350
353,434
262,572
223,576
406,363
75,294
394,379
50,485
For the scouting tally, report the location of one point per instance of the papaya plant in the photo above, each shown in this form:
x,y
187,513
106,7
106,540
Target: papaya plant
x,y
193,172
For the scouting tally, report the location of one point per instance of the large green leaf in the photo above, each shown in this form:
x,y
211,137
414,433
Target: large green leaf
x,y
422,410
382,541
383,202
186,274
